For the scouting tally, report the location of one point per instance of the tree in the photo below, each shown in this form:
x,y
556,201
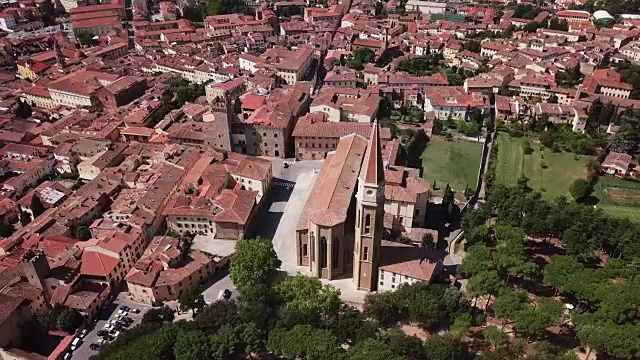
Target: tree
x,y
509,303
462,324
533,26
23,109
47,12
303,341
473,46
553,99
36,206
445,347
307,295
496,337
561,25
254,262
25,218
193,13
192,344
6,230
479,259
158,315
448,196
485,283
409,347
69,320
371,349
427,242
86,38
192,299
580,189
83,233
48,318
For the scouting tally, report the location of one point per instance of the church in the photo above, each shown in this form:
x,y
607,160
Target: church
x,y
339,233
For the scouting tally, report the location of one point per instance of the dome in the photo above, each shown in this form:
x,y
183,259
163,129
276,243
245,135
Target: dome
x,y
602,15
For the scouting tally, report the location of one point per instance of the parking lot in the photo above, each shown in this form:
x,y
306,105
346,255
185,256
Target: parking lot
x,y
84,351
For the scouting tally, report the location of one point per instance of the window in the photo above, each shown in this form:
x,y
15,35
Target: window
x,y
275,135
323,252
367,223
264,134
365,253
304,250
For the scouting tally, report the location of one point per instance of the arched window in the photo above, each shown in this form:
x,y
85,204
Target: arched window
x,y
367,223
365,253
323,252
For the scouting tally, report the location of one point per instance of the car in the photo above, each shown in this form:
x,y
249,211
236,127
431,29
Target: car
x,y
135,311
75,343
123,324
83,333
113,322
67,356
125,308
94,347
115,335
100,342
102,332
127,319
108,337
122,312
108,327
118,316
226,294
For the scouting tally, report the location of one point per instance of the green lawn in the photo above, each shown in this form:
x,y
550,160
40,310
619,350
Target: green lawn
x,y
561,170
453,162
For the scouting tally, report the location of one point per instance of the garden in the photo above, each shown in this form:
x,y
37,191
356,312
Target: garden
x,y
453,162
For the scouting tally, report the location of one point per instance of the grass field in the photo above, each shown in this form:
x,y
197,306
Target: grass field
x,y
553,180
453,162
618,197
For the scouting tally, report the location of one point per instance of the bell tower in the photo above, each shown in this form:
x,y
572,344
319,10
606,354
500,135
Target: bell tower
x,y
369,213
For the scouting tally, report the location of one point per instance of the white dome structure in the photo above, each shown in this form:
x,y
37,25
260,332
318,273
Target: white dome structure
x,y
602,15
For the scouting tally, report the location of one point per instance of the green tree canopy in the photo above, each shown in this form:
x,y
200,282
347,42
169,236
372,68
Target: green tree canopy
x,y
254,262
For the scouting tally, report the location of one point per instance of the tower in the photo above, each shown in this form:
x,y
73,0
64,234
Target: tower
x,y
369,213
59,56
36,268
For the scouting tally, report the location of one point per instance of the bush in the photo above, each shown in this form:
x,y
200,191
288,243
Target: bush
x,y
580,189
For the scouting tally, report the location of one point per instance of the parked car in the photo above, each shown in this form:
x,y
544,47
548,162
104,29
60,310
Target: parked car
x,y
75,343
122,312
94,347
102,332
127,319
125,308
123,324
116,334
135,311
108,337
67,356
83,333
226,294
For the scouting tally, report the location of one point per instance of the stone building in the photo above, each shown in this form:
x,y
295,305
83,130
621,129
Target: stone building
x,y
336,235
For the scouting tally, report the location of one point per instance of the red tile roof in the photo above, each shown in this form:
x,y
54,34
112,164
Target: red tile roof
x,y
97,264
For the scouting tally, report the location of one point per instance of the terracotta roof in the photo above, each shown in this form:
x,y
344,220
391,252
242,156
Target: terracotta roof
x,y
331,195
315,125
97,264
8,305
408,260
372,171
236,206
253,168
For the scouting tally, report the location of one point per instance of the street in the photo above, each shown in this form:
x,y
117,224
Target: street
x,y
84,352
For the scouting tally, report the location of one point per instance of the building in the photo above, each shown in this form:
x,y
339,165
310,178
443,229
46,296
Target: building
x,y
347,104
290,65
406,198
315,137
574,16
453,101
267,131
334,238
165,271
606,82
79,88
618,164
406,264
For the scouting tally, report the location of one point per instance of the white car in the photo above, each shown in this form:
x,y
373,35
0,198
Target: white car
x,y
75,344
122,313
108,327
115,335
83,333
67,356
